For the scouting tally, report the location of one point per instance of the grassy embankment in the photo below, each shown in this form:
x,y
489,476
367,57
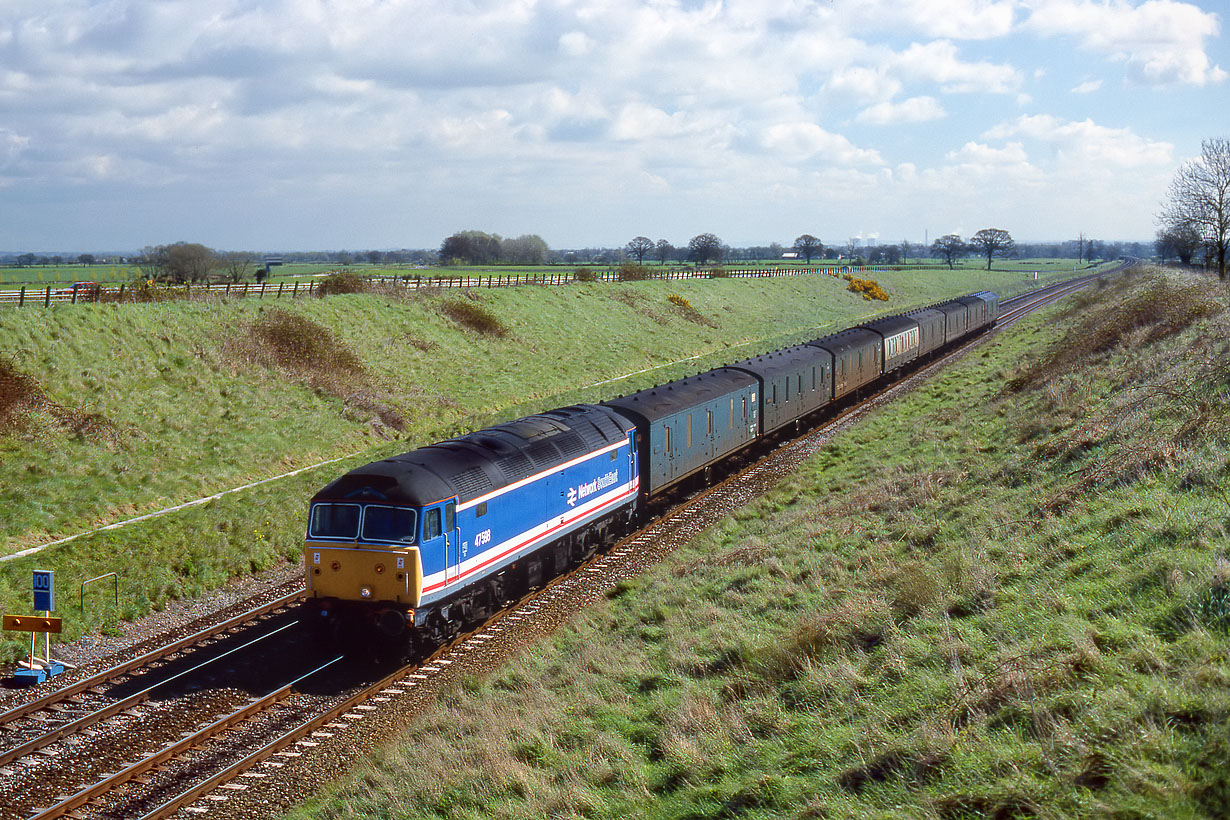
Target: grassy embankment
x,y
112,411
1006,595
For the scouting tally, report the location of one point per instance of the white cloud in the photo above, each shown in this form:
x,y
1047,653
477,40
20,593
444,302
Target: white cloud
x,y
494,107
575,44
980,155
1077,144
957,19
864,82
940,62
915,109
801,141
1159,41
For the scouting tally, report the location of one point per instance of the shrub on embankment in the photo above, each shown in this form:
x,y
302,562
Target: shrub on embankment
x,y
939,616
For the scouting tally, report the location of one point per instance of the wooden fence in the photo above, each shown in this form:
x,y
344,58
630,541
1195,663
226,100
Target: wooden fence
x,y
44,297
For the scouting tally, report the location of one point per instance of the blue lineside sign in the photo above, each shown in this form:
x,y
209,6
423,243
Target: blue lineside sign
x,y
44,590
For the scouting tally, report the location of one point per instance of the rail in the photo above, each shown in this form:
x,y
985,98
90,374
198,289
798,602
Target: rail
x,y
161,652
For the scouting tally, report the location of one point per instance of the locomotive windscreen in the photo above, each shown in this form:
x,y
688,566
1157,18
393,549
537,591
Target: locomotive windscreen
x,y
335,521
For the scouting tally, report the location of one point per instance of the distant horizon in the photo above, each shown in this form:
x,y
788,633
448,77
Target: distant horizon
x,y
562,249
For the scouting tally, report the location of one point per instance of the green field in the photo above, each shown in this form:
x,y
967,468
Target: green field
x,y
37,276
1004,595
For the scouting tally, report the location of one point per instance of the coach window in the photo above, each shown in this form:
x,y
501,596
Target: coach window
x,y
668,439
689,444
708,422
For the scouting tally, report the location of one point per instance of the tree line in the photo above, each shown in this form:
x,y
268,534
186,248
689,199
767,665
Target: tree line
x,y
181,262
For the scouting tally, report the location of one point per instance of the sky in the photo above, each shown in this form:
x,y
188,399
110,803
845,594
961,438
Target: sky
x,y
278,125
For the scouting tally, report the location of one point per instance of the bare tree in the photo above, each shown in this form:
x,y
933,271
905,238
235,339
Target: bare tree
x,y
809,246
236,265
704,247
639,247
992,242
1181,241
188,262
663,250
948,248
1199,199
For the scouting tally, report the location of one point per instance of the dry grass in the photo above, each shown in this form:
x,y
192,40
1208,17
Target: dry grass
x,y
343,282
685,309
314,355
19,396
22,401
469,314
1158,311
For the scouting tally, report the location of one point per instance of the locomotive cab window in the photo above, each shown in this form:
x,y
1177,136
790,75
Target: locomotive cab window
x,y
431,524
335,521
388,524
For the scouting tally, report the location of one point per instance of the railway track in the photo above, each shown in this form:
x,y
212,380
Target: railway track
x,y
223,768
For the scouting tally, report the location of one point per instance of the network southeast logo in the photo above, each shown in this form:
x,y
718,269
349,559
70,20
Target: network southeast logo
x,y
589,488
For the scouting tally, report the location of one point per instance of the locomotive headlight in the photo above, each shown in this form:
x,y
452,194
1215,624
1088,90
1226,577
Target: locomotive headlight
x,y
365,592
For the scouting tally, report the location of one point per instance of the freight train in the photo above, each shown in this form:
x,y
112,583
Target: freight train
x,y
412,548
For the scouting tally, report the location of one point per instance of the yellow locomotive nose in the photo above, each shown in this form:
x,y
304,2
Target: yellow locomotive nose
x,y
363,574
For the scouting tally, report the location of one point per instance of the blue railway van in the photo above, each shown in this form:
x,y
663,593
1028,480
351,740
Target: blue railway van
x,y
930,329
687,425
857,359
901,340
794,381
956,320
983,309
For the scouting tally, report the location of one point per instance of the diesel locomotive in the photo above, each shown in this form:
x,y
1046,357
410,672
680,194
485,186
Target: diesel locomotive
x,y
413,547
